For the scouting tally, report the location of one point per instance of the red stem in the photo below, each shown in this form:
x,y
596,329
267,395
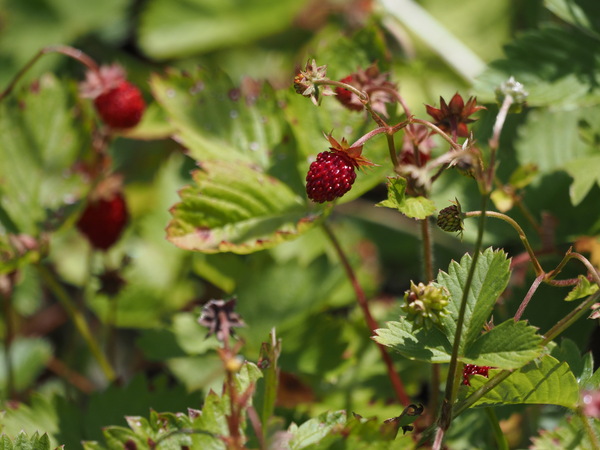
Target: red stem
x,y
371,322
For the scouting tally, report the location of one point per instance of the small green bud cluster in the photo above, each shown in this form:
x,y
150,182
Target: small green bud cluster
x,y
425,305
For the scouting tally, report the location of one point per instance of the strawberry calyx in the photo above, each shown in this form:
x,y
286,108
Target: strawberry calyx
x,y
354,153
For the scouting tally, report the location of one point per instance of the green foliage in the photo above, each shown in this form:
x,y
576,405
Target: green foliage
x,y
489,280
242,225
24,442
569,434
186,28
413,207
582,289
28,358
238,209
37,148
544,381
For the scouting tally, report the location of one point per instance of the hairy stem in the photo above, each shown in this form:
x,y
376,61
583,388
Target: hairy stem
x,y
493,421
63,49
79,321
517,227
536,283
371,323
452,380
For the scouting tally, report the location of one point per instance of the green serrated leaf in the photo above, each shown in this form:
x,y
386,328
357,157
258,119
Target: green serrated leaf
x,y
582,289
236,208
121,437
424,344
413,207
489,280
568,352
5,443
509,345
545,381
586,175
39,140
570,433
313,430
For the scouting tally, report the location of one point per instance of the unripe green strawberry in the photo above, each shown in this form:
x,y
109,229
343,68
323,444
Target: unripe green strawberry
x,y
450,218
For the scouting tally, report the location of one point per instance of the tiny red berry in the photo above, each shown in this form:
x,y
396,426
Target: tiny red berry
x,y
472,369
103,221
345,97
121,106
330,176
119,103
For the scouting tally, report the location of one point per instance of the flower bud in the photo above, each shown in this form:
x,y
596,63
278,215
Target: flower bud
x,y
425,305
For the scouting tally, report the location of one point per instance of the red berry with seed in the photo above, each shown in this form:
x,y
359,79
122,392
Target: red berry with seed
x,y
333,173
119,103
472,369
330,176
105,215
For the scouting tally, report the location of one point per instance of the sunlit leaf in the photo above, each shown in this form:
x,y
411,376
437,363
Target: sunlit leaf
x,y
424,344
490,278
547,381
509,345
236,208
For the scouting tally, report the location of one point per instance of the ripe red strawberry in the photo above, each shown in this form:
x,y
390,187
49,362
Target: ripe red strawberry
x,y
119,103
330,176
121,106
333,173
105,214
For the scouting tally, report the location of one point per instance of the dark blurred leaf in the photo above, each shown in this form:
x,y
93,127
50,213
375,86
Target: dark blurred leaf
x,y
557,66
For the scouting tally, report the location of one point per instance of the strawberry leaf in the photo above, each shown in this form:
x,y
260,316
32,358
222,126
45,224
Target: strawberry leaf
x,y
583,288
490,278
545,381
413,207
424,344
509,345
236,208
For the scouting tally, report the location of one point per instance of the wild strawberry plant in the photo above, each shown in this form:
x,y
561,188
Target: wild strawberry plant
x,y
344,265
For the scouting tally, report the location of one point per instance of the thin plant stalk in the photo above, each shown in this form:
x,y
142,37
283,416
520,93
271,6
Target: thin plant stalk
x,y
591,434
8,339
371,323
536,264
501,442
453,379
79,321
62,49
